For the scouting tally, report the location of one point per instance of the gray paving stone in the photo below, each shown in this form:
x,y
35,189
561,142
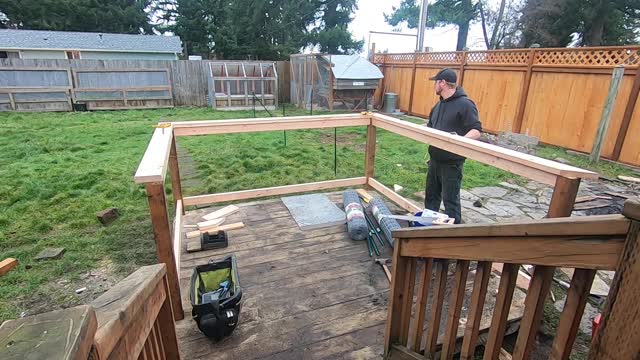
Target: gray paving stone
x,y
522,198
489,192
503,208
469,205
514,187
465,195
473,217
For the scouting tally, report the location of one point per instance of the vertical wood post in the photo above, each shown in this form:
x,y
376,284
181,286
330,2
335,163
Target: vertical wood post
x,y
463,62
524,92
603,126
618,336
413,82
166,322
397,298
563,198
164,248
330,84
174,170
626,118
370,152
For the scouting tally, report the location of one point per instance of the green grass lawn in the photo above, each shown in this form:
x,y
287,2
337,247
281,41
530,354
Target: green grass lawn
x,y
58,169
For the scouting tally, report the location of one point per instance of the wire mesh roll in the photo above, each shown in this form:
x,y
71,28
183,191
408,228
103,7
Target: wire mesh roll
x,y
387,225
356,223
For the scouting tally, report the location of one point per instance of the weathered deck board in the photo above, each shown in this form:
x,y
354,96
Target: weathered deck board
x,y
312,294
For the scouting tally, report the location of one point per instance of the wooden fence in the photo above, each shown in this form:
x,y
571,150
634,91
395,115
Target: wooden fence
x,y
188,77
557,95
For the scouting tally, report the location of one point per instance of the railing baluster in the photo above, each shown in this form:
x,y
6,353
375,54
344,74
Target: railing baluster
x,y
439,287
501,311
424,280
455,307
409,281
533,310
479,293
399,292
572,313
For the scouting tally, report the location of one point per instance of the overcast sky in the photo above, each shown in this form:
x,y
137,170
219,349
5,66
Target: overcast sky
x,y
369,17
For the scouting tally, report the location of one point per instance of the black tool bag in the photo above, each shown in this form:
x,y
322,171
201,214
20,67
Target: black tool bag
x,y
215,297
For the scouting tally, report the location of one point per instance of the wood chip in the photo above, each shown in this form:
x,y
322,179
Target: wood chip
x,y
225,211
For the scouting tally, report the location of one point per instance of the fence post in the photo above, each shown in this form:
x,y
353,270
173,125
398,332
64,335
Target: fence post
x,y
626,118
618,336
413,83
174,170
462,65
603,126
524,92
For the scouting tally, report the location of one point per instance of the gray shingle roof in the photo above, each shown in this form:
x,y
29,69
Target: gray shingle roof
x,y
68,40
353,67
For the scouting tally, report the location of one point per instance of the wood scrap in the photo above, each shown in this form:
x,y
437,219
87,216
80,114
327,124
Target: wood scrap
x,y
233,226
581,199
592,205
7,264
364,194
629,179
615,194
522,281
225,211
210,223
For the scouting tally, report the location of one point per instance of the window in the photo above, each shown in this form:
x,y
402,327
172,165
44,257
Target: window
x,y
73,55
9,55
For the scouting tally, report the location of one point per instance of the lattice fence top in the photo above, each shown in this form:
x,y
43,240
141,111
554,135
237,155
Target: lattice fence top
x,y
512,57
589,57
598,57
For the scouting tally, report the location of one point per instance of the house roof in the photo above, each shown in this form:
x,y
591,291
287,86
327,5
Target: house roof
x,y
68,40
352,67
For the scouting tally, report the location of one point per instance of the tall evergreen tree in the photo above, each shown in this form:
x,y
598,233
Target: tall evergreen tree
x,y
113,16
333,36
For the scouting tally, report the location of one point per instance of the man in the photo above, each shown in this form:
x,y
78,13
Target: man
x,y
455,113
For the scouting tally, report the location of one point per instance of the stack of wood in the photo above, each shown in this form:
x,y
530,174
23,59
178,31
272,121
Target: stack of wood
x,y
213,222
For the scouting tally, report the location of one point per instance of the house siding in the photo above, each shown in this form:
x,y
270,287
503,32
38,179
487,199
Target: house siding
x,y
112,55
43,54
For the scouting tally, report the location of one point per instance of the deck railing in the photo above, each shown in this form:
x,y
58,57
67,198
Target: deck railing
x,y
586,244
133,320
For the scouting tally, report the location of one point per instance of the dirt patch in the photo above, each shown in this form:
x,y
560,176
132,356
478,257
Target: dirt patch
x,y
349,140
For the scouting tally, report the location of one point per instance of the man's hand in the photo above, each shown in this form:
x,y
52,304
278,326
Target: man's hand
x,y
473,134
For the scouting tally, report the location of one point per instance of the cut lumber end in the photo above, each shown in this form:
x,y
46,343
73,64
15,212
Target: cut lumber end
x,y
7,265
194,245
210,223
364,194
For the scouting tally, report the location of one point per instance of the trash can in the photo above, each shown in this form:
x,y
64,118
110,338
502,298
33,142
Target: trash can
x,y
390,101
215,296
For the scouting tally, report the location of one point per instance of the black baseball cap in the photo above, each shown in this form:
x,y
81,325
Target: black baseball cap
x,y
447,75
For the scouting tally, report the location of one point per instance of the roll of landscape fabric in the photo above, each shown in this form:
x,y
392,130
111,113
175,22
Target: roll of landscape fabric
x,y
378,208
356,223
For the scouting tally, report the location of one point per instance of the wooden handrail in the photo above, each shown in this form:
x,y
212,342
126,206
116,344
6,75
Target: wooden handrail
x,y
610,242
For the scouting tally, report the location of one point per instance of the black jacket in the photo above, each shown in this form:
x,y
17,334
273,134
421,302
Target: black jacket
x,y
456,114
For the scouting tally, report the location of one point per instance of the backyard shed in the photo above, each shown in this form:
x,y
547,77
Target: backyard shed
x,y
240,85
333,81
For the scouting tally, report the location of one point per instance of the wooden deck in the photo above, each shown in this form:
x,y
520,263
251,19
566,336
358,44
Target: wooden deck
x,y
311,294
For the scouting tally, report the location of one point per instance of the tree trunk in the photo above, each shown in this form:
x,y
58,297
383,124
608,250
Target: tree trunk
x,y
496,26
595,31
463,27
484,27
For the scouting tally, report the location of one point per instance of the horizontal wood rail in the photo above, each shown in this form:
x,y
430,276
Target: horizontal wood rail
x,y
609,242
132,320
273,191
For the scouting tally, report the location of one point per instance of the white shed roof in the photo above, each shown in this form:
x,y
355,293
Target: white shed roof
x,y
352,67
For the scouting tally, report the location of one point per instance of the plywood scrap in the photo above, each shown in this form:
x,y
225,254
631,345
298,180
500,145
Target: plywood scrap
x,y
314,211
225,211
592,205
7,264
364,194
209,223
197,233
523,278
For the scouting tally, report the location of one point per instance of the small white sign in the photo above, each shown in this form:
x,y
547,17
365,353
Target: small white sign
x,y
358,83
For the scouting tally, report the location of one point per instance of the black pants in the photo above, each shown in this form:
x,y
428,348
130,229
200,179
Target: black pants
x,y
443,184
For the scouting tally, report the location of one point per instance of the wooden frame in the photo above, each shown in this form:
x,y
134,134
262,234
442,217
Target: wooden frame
x,y
161,155
12,91
247,102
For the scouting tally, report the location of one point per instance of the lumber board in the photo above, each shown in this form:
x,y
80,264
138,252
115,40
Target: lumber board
x,y
211,127
225,211
599,253
631,209
529,166
272,191
212,229
177,233
501,312
393,196
478,295
439,289
209,223
578,226
364,194
153,166
455,307
629,179
7,265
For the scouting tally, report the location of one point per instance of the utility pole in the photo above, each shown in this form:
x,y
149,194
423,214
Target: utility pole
x,y
422,24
